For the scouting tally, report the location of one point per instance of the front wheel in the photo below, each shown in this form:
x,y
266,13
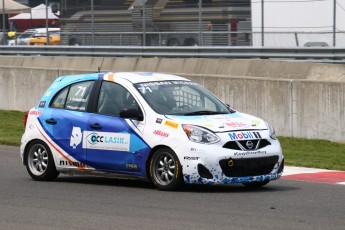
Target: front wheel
x,y
256,184
40,163
165,170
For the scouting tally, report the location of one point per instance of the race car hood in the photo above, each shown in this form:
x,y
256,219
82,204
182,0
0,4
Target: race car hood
x,y
222,122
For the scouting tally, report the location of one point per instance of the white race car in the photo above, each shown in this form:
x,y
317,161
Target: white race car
x,y
153,126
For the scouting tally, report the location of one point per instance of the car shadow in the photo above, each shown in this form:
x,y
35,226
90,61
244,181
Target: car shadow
x,y
143,184
105,181
237,188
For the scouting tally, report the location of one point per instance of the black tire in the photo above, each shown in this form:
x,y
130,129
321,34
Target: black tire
x,y
173,42
39,162
256,184
165,170
73,42
189,42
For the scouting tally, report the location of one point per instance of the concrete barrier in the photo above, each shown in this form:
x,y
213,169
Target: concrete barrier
x,y
21,88
318,110
300,99
296,108
228,67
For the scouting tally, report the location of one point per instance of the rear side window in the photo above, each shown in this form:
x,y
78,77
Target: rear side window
x,y
74,97
60,99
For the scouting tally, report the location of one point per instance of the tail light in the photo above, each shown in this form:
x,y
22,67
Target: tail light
x,y
26,118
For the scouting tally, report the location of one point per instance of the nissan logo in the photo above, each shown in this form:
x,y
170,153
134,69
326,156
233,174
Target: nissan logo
x,y
249,144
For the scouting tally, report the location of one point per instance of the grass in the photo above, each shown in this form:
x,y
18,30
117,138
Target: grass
x,y
11,127
297,152
313,153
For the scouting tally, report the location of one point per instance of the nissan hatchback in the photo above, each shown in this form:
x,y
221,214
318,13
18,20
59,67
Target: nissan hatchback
x,y
151,126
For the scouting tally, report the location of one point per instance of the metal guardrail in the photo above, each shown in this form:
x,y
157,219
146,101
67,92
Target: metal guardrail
x,y
325,54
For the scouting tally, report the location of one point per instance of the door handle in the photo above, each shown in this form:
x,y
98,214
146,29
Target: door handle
x,y
51,121
96,126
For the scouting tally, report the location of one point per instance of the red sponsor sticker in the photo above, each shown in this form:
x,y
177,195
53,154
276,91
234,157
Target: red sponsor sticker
x,y
35,112
235,124
161,133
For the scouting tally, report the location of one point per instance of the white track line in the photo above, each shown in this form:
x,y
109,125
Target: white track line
x,y
292,170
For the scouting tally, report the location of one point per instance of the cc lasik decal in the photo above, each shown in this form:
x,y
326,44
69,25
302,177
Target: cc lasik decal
x,y
106,141
100,140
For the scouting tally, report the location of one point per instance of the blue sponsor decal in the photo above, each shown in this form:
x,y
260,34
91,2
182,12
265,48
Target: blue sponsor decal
x,y
244,135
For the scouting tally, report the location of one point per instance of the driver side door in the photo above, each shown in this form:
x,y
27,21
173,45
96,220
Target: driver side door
x,y
113,143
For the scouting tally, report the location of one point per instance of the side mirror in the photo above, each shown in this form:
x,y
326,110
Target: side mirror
x,y
132,113
230,109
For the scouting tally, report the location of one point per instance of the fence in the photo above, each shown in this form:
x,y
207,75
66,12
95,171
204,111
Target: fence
x,y
277,23
205,38
212,38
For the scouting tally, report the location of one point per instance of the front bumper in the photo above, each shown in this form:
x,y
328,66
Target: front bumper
x,y
205,176
219,164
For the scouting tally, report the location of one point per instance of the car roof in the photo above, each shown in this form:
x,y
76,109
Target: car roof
x,y
138,77
41,30
133,77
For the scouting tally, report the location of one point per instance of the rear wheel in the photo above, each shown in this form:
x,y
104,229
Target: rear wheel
x,y
165,170
256,184
40,163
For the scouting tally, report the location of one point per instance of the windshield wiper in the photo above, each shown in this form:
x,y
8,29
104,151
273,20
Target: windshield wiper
x,y
203,112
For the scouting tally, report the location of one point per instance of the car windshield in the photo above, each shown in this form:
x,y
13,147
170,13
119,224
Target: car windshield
x,y
180,98
38,35
27,34
54,33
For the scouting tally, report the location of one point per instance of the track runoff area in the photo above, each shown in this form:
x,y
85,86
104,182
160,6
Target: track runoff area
x,y
314,175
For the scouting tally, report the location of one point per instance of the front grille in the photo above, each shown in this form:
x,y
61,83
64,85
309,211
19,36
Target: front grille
x,y
244,145
248,166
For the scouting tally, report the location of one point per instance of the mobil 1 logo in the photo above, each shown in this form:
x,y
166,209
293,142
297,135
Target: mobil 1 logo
x,y
244,135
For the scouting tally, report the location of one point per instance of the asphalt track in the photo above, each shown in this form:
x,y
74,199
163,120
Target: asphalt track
x,y
102,203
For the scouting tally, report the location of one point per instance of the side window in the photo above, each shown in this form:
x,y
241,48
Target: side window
x,y
113,98
74,97
60,99
79,95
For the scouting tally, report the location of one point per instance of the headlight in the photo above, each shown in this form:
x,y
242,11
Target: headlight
x,y
271,130
200,135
